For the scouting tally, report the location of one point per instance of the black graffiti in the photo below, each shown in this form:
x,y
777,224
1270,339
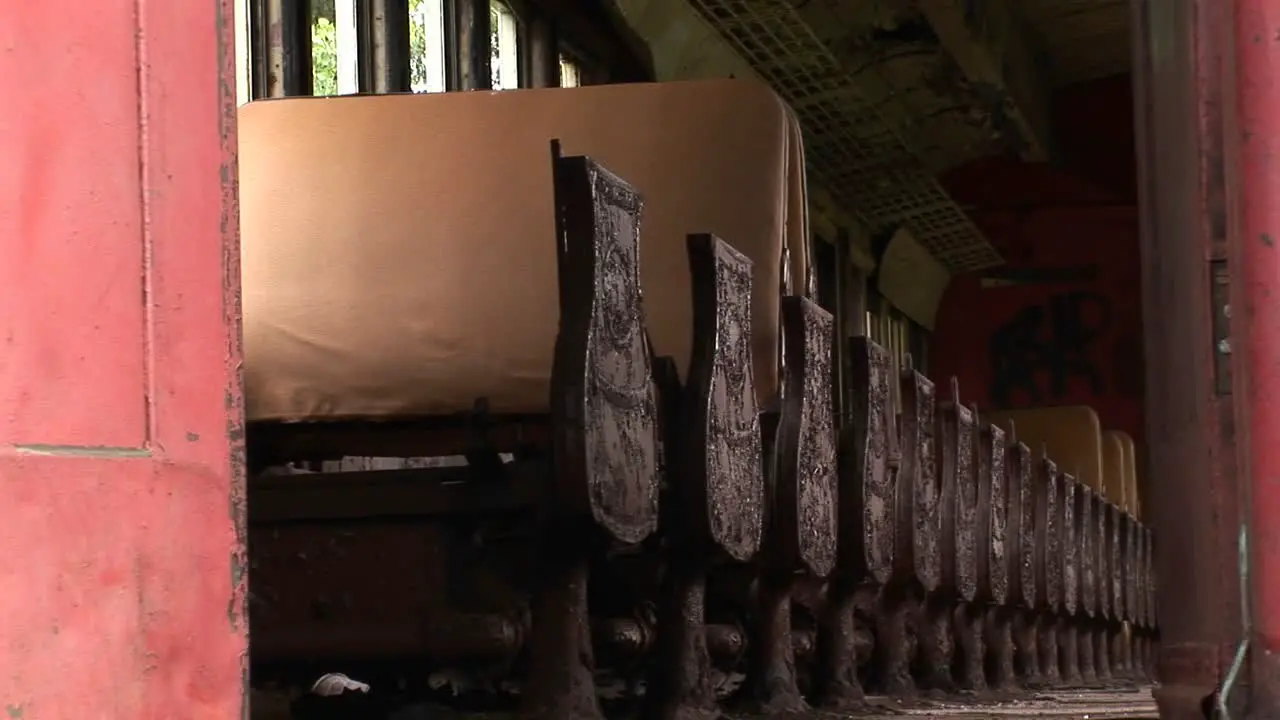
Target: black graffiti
x,y
1049,340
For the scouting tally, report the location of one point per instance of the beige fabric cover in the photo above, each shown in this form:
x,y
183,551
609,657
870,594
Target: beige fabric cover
x,y
1115,477
398,250
1071,434
1132,499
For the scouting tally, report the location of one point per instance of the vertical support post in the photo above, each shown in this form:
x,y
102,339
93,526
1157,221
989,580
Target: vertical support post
x,y
383,51
543,52
1253,183
1191,481
286,40
470,25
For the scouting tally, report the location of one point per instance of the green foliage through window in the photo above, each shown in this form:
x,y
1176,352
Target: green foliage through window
x,y
324,56
425,61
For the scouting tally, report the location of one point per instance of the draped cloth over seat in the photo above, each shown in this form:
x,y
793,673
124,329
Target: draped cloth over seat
x,y
398,252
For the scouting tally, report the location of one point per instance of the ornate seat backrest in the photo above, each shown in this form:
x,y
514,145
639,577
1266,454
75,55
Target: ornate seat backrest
x,y
958,497
869,460
806,489
995,543
604,405
724,447
918,551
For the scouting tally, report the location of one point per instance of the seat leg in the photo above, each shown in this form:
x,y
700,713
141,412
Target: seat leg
x,y
937,644
1001,675
1028,648
561,683
970,620
838,687
1088,652
771,686
681,686
1047,642
896,639
1069,652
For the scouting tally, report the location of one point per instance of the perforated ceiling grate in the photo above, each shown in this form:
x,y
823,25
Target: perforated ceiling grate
x,y
852,151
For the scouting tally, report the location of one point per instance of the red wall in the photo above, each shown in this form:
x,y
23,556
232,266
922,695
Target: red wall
x,y
1061,323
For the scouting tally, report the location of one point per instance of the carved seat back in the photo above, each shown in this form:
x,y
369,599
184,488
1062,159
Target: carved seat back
x,y
806,488
1046,483
1023,575
1147,616
869,460
1089,536
1117,481
1130,559
1068,543
868,466
603,400
1118,537
958,498
995,544
724,454
918,487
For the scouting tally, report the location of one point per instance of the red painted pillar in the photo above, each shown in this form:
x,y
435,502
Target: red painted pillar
x,y
1253,139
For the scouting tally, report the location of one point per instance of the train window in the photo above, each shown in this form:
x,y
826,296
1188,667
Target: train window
x,y
426,46
244,69
504,30
570,72
334,54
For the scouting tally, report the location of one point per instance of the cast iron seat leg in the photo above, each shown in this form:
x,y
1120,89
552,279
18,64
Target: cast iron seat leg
x,y
868,465
902,643
717,482
801,535
959,661
605,452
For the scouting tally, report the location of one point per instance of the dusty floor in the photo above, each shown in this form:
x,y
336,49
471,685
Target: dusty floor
x,y
1110,704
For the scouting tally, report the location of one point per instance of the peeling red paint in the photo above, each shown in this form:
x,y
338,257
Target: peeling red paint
x,y
121,450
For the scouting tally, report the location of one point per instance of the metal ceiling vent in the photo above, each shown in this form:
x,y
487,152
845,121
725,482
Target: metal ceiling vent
x,y
853,152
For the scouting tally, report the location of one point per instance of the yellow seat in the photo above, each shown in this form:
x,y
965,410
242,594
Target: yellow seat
x,y
1132,498
1070,434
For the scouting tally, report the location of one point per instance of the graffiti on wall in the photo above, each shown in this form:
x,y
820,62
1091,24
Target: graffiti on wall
x,y
1038,352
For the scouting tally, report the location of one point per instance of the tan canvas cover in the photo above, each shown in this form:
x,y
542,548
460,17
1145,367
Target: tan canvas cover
x,y
1071,434
1114,476
1132,498
399,255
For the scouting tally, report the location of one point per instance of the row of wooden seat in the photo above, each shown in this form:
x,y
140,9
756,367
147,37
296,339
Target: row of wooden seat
x,y
982,562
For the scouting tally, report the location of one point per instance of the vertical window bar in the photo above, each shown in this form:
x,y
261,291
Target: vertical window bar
x,y
543,52
470,28
288,53
259,50
384,46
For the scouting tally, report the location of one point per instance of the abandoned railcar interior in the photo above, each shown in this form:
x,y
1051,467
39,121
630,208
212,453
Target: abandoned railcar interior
x,y
707,356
